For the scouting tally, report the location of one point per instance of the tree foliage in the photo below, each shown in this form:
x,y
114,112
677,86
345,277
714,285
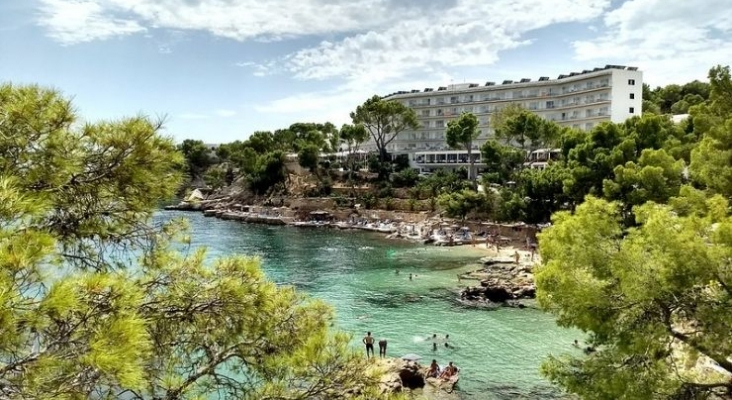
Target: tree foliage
x,y
649,282
515,124
655,299
308,157
674,98
197,155
461,133
384,119
97,302
460,204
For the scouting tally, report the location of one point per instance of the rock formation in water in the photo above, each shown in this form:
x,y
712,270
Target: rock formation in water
x,y
502,281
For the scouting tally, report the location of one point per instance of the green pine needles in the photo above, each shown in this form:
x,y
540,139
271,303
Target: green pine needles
x,y
96,303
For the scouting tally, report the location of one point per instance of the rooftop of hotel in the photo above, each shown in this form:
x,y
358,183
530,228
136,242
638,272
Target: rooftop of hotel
x,y
465,86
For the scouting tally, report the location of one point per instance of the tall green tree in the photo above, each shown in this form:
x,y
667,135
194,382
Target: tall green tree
x,y
384,119
655,300
656,176
711,160
197,155
515,124
460,134
502,161
308,157
460,204
261,142
96,301
353,136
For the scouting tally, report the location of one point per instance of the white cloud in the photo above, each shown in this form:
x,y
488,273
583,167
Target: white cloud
x,y
423,49
75,21
671,41
260,70
225,113
78,21
470,33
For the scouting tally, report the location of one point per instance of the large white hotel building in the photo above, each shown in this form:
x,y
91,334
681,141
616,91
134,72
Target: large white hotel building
x,y
580,100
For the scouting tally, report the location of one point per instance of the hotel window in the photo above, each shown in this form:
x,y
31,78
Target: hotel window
x,y
632,96
425,113
439,124
631,110
631,81
453,99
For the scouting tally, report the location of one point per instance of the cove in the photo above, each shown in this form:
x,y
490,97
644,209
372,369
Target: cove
x,y
498,351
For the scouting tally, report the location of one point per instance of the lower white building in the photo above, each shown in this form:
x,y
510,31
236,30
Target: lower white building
x,y
579,100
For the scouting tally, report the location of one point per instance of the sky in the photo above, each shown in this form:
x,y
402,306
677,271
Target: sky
x,y
218,70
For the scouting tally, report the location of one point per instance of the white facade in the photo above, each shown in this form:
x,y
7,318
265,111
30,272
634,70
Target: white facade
x,y
579,100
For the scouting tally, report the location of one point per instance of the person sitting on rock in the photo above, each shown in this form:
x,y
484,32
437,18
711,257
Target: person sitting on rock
x,y
434,370
449,372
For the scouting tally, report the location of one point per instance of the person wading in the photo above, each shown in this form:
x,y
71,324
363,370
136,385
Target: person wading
x,y
368,340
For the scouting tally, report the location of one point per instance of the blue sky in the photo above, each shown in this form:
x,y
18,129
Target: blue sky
x,y
222,69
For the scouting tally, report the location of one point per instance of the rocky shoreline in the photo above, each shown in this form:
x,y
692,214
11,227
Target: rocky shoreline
x,y
503,279
503,282
409,376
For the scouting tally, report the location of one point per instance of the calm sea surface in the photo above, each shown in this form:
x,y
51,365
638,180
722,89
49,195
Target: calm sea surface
x,y
498,351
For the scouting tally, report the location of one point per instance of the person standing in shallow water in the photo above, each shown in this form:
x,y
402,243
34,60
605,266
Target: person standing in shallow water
x,y
368,340
382,348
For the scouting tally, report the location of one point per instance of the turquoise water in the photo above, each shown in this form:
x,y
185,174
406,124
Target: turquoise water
x,y
498,351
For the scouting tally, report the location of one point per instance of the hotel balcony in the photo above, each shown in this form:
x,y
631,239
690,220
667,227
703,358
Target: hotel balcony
x,y
446,157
